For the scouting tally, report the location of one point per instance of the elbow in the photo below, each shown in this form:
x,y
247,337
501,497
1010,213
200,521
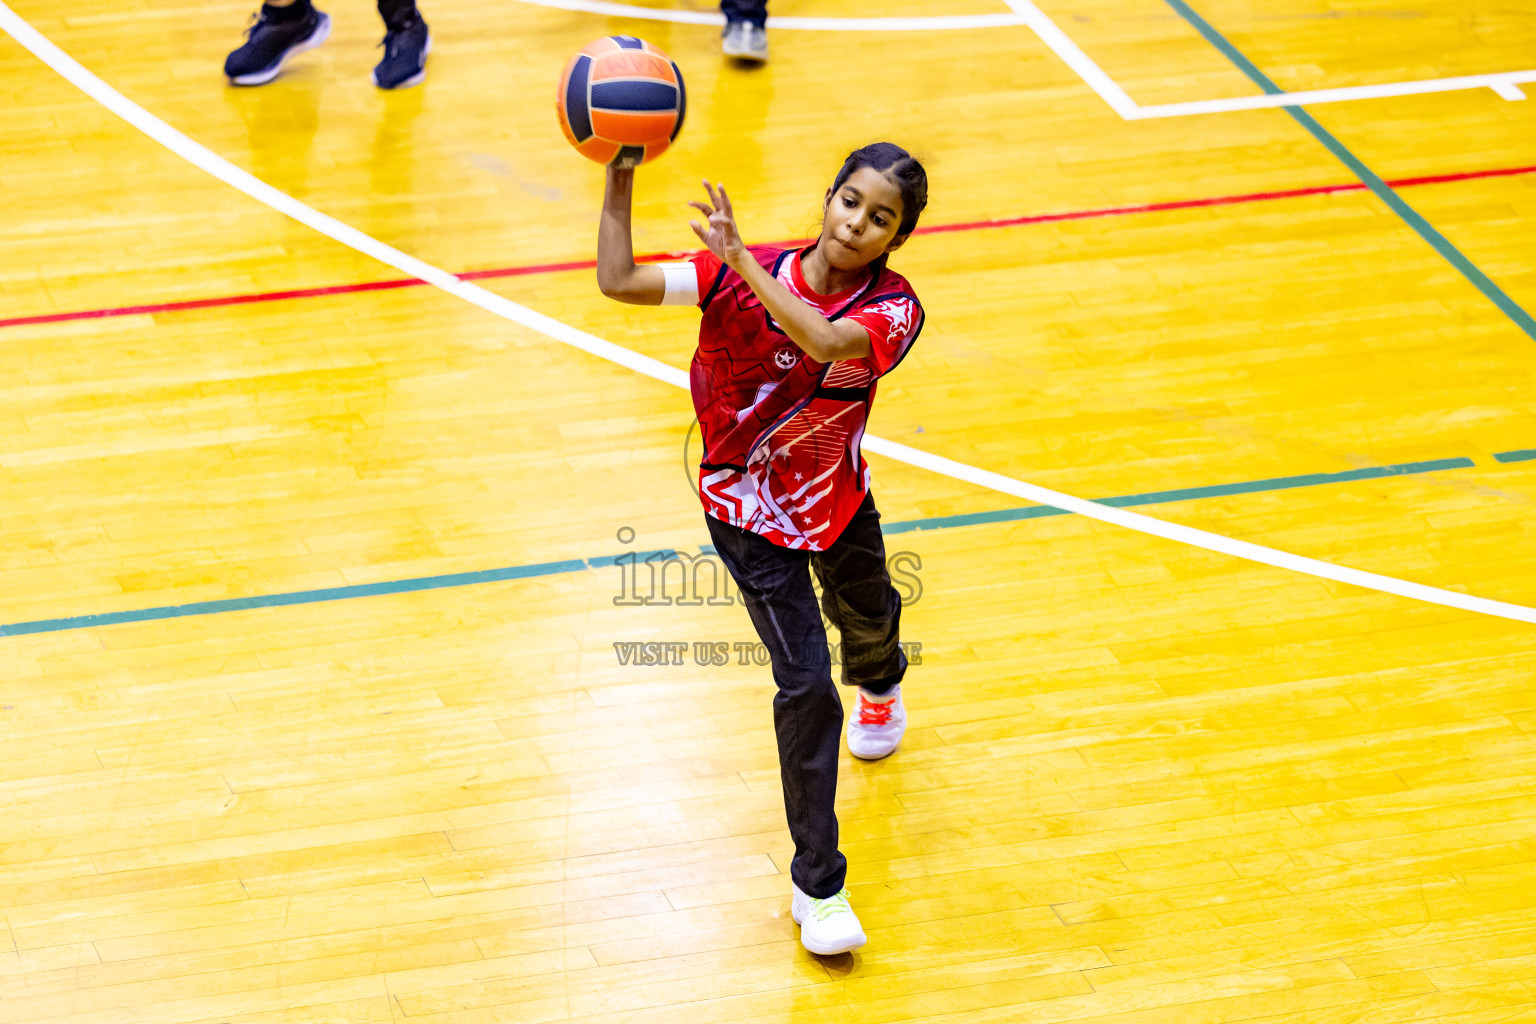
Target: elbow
x,y
617,291
824,350
621,283
611,286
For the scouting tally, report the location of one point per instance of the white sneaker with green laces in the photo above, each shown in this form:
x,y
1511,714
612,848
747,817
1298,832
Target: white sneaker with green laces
x,y
827,926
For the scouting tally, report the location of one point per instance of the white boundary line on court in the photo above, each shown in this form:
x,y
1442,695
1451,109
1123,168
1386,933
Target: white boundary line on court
x,y
928,24
205,159
1506,83
1073,56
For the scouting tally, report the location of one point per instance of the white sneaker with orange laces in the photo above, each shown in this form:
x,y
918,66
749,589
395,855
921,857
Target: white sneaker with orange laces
x,y
827,926
877,724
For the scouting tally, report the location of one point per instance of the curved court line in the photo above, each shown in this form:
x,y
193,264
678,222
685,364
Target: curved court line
x,y
1505,83
593,562
204,158
928,24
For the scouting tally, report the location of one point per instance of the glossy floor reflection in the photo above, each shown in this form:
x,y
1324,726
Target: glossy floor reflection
x,y
1143,782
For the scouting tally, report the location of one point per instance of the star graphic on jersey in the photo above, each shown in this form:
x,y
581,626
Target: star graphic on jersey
x,y
799,477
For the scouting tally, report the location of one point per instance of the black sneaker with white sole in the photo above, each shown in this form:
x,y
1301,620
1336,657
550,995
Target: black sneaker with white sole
x,y
270,42
405,55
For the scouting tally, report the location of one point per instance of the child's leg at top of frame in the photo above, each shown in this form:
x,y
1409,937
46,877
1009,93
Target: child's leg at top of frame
x,y
857,595
754,12
397,12
775,585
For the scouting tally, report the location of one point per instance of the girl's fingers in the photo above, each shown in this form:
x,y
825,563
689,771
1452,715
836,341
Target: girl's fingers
x,y
713,201
725,200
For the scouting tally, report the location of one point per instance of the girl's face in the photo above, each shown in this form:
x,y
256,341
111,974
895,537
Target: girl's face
x,y
861,220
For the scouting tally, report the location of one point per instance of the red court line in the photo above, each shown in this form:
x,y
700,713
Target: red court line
x,y
936,229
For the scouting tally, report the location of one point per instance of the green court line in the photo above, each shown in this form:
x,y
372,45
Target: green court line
x,y
1382,190
1519,455
518,572
236,604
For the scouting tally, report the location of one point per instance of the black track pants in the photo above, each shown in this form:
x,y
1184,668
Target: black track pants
x,y
858,598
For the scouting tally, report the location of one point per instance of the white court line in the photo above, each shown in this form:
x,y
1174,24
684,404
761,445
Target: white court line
x,y
1506,83
930,24
228,173
1092,75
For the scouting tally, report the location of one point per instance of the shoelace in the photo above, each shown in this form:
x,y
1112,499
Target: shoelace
x,y
823,909
871,713
257,21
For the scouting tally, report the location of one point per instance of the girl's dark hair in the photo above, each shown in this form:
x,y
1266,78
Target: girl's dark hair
x,y
898,165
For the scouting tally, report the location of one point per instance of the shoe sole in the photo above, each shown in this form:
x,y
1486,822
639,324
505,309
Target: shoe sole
x,y
876,757
315,38
415,79
828,951
740,53
848,947
834,951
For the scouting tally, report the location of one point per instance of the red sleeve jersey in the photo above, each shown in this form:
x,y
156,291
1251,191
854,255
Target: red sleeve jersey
x,y
782,431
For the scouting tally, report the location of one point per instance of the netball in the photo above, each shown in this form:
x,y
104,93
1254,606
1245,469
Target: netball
x,y
620,101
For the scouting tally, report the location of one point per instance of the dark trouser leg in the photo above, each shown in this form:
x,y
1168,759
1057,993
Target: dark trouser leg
x,y
755,11
397,12
857,595
776,587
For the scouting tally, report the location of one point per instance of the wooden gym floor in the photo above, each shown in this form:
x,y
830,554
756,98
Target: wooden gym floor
x,y
1145,782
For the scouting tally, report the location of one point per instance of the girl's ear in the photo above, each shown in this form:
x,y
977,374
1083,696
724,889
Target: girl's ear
x,y
898,242
826,201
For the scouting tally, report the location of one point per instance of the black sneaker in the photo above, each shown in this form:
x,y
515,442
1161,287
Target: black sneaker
x,y
269,44
405,55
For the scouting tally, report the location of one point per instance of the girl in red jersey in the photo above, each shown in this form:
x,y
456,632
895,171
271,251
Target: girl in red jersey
x,y
790,349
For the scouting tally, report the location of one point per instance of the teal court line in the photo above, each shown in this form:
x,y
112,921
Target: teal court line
x,y
531,571
237,604
1382,190
1519,455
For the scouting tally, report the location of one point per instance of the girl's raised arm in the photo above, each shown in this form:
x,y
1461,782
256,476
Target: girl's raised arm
x,y
617,275
815,335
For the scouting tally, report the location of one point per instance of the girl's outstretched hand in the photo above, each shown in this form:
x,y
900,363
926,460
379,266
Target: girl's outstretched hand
x,y
719,233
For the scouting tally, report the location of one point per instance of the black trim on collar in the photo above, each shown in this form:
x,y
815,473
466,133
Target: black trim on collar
x,y
894,295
